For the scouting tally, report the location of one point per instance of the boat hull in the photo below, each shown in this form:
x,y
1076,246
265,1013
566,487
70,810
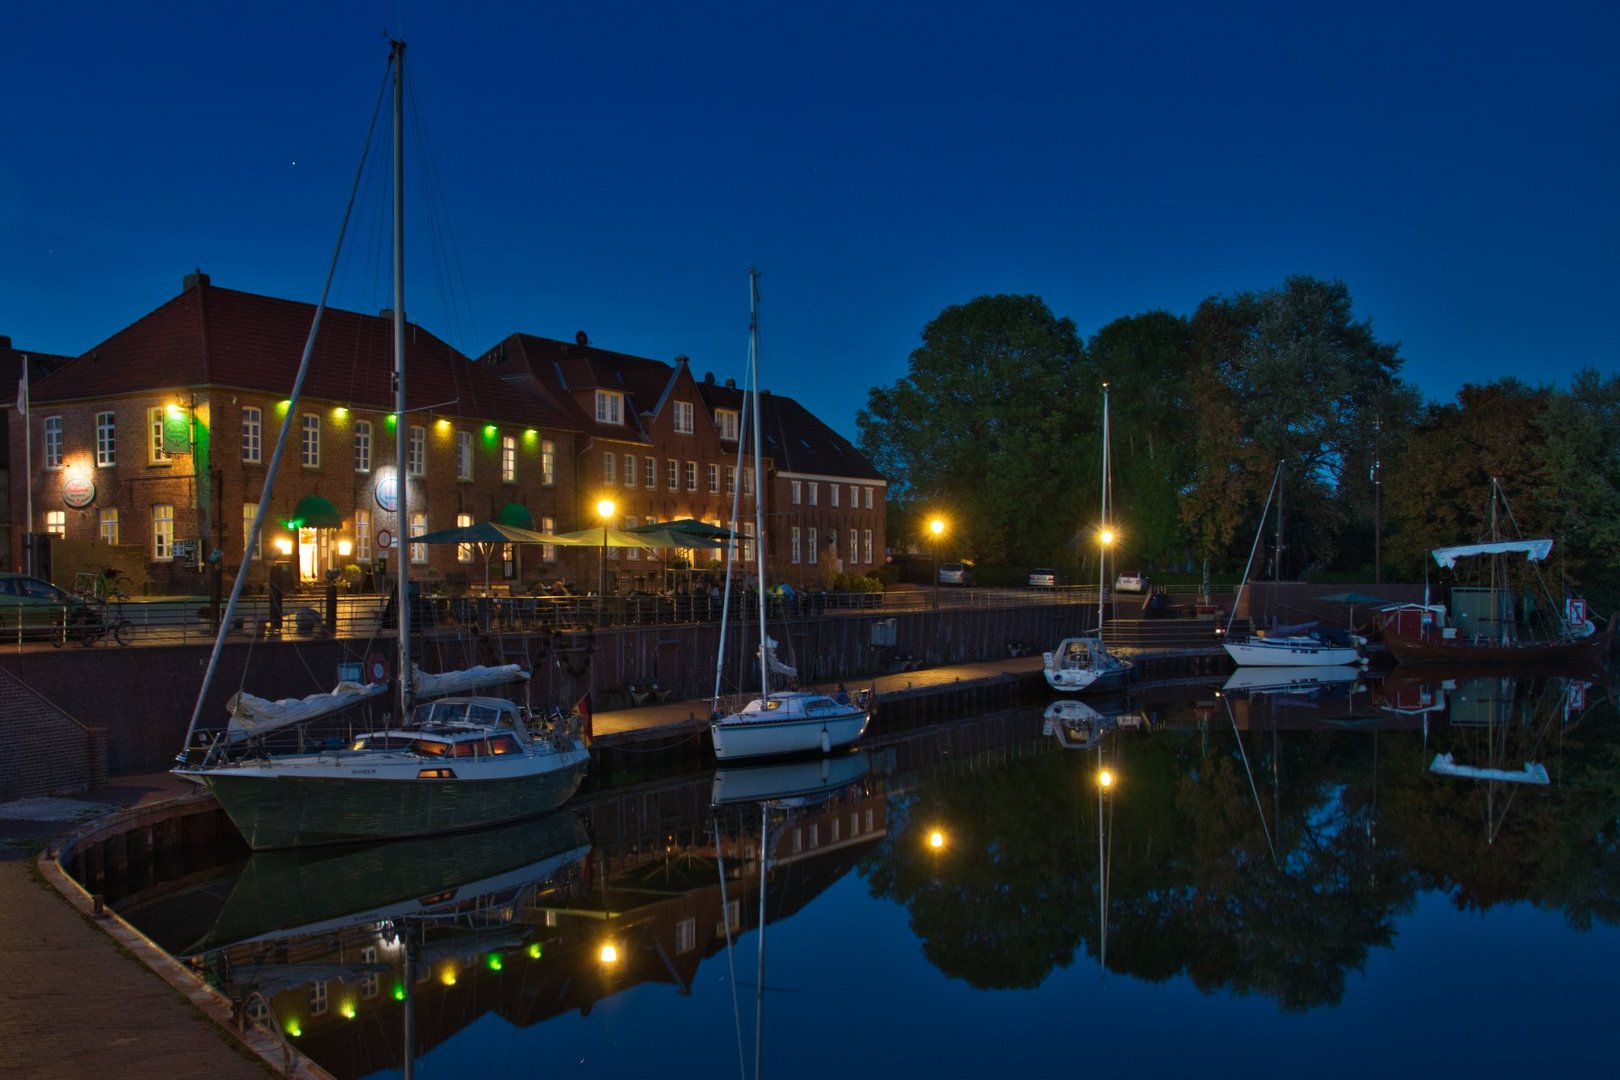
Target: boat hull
x,y
1430,649
1290,654
1084,665
739,736
281,807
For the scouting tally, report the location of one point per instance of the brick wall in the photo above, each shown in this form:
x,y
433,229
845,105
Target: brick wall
x,y
46,752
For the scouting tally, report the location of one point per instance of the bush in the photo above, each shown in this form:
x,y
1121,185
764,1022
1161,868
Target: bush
x,y
856,583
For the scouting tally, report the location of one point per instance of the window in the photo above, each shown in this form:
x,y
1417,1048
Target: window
x,y
832,546
833,830
685,936
812,546
250,543
53,442
508,459
672,474
714,479
649,472
464,552
854,546
310,443
629,470
416,451
731,479
362,446
832,489
683,418
464,455
109,525
867,538
548,463
691,476
418,528
362,535
56,523
162,532
869,498
854,497
630,522
370,985
317,998
726,420
548,552
609,407
156,455
748,480
609,469
252,434
793,492
794,532
815,489
106,440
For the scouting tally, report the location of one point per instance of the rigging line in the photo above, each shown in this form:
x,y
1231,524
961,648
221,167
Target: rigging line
x,y
274,465
1253,790
1258,533
731,960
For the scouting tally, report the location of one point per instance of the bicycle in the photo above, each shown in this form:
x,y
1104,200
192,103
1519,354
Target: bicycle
x,y
90,624
109,583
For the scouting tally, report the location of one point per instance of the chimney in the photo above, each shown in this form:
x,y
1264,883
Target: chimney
x,y
680,360
708,378
193,279
581,338
731,384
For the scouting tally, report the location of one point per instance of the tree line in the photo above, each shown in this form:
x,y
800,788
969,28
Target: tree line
x,y
997,426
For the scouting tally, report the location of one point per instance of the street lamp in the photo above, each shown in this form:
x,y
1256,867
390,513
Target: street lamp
x,y
1105,539
604,510
937,527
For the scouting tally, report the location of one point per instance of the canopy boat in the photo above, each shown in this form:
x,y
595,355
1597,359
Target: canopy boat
x,y
1486,624
1084,664
448,765
1283,647
776,722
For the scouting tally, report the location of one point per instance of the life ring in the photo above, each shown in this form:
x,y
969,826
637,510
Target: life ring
x,y
376,668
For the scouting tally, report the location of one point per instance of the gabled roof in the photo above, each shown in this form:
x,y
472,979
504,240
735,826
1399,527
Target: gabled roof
x,y
215,337
11,361
795,440
559,369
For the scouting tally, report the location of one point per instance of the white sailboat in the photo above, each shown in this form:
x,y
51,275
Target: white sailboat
x,y
1282,648
444,765
1084,664
776,722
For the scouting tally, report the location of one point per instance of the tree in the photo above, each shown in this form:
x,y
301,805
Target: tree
x,y
981,428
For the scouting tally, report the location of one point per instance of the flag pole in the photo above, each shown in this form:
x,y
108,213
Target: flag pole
x,y
28,465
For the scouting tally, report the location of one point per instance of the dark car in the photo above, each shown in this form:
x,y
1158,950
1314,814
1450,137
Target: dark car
x,y
37,607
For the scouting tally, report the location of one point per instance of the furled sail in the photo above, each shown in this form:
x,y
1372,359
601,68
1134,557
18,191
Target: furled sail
x,y
1533,550
252,715
775,665
431,685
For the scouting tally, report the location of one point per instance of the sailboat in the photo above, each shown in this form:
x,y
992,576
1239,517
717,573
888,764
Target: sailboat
x,y
1293,647
444,765
776,722
1482,627
1084,664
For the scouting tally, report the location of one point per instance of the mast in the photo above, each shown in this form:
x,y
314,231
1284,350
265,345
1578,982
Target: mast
x,y
1102,552
1276,565
759,480
402,584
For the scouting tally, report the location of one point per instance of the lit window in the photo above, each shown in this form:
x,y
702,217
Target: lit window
x,y
683,418
53,442
548,463
56,523
109,525
548,552
106,440
156,455
726,419
416,450
464,455
609,407
418,528
464,552
250,543
310,443
362,446
252,434
362,535
162,532
317,998
508,459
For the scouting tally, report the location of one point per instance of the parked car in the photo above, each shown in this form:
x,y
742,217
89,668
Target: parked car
x,y
956,573
37,606
1043,577
1131,581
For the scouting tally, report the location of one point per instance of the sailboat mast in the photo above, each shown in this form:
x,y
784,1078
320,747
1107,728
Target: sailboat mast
x,y
1102,550
759,480
402,584
1276,565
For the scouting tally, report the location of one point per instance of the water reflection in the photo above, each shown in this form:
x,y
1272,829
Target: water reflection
x,y
1261,841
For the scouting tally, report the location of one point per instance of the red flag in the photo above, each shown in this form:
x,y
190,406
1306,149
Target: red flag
x,y
583,708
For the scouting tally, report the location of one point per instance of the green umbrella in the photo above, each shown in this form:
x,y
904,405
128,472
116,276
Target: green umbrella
x,y
487,536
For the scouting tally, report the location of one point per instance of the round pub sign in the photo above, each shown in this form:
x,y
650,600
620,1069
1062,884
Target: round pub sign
x,y
78,491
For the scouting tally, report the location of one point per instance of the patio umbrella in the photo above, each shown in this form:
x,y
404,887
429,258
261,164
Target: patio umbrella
x,y
486,536
689,526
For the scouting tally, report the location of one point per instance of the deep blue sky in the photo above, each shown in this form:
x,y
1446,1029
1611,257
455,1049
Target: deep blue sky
x,y
616,167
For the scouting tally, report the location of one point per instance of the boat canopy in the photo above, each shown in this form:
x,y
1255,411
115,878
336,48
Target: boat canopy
x,y
427,685
1533,550
252,715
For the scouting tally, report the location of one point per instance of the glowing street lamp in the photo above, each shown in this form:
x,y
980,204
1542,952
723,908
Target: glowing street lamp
x,y
604,510
937,528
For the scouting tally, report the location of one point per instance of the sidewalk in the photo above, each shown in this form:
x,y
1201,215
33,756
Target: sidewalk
x,y
86,997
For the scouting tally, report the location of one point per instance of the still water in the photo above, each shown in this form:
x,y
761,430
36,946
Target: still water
x,y
1277,879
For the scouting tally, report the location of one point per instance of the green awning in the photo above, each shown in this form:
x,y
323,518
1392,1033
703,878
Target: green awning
x,y
516,514
315,512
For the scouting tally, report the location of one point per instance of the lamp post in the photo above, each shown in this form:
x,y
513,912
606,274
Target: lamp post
x,y
604,510
1105,538
937,528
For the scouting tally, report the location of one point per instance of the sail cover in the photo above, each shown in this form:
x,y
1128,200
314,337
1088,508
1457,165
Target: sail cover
x,y
1533,550
775,665
252,716
425,685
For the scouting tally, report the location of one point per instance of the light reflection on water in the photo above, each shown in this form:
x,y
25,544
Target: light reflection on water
x,y
1277,879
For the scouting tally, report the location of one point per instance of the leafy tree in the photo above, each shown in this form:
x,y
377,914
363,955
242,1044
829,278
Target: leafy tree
x,y
1581,450
982,425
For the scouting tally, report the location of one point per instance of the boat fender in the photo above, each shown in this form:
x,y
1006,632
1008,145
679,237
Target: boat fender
x,y
826,741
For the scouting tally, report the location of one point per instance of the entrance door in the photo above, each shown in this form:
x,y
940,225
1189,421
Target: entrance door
x,y
309,560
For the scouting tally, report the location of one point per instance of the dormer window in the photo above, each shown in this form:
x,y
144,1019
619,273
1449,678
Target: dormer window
x,y
726,420
609,407
683,418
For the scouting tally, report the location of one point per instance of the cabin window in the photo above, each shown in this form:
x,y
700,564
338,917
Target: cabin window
x,y
430,747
